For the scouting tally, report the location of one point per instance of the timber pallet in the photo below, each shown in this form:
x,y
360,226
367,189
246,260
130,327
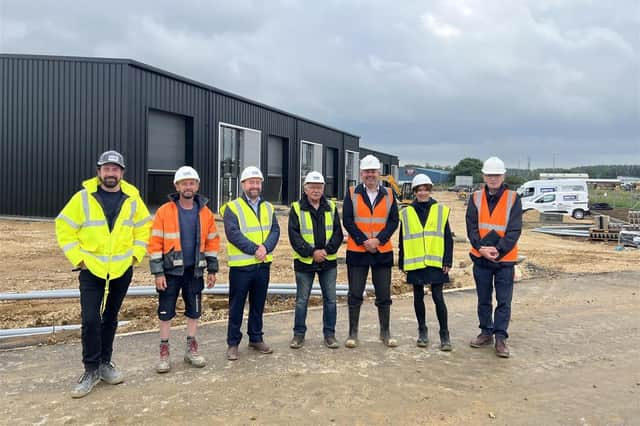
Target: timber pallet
x,y
634,217
600,235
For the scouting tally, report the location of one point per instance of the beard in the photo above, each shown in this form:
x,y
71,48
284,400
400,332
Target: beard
x,y
187,194
110,181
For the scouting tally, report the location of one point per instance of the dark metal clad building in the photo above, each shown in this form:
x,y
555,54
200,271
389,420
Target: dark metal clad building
x,y
57,114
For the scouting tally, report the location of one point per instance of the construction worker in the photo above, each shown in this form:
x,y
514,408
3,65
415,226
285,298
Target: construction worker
x,y
370,216
426,255
184,241
315,235
252,232
494,224
103,230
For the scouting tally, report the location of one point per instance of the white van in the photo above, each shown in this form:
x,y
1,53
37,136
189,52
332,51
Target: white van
x,y
533,188
575,203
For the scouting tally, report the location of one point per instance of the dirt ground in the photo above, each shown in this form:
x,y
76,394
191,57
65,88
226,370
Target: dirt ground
x,y
33,261
575,345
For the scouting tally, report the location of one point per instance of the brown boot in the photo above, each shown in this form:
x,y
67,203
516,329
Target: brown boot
x,y
482,340
261,347
502,350
232,353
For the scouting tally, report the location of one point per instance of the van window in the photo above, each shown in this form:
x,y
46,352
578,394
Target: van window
x,y
527,192
547,198
569,188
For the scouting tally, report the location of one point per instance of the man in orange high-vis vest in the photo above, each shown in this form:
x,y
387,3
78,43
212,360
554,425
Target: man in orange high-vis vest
x,y
494,224
370,216
184,242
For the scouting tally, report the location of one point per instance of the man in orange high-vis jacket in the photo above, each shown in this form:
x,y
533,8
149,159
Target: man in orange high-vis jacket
x,y
370,216
184,241
494,224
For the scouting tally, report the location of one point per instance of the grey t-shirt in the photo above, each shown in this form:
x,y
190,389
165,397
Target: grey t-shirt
x,y
188,234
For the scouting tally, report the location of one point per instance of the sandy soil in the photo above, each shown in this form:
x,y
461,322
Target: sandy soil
x,y
33,261
574,341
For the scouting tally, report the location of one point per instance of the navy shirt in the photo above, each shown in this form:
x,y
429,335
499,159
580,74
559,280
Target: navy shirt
x,y
188,234
111,203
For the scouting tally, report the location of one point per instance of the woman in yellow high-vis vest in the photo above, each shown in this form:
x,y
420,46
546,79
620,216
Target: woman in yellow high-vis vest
x,y
426,255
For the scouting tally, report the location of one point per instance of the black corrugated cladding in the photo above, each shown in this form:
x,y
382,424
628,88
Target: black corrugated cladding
x,y
59,113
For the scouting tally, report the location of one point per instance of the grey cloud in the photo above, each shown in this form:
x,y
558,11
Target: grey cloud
x,y
461,78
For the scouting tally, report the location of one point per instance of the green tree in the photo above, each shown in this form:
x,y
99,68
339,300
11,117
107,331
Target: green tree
x,y
468,167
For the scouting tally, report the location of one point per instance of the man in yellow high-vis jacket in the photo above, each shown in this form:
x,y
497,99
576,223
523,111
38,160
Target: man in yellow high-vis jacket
x,y
103,231
252,232
315,235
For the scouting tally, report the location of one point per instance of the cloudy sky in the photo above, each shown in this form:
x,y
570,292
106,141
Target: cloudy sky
x,y
545,81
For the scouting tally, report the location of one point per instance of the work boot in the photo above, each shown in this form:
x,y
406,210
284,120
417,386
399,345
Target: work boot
x,y
423,337
191,355
110,373
445,341
297,342
261,347
164,365
482,340
232,353
384,312
502,350
354,318
331,342
86,383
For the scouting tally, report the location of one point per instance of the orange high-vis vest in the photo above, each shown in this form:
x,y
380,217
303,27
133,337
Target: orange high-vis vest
x,y
370,223
165,237
497,220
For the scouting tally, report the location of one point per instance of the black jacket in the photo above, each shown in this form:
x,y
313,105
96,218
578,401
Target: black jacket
x,y
430,274
303,248
511,236
365,259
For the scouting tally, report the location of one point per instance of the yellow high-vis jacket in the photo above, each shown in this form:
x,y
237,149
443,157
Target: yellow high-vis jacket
x,y
83,232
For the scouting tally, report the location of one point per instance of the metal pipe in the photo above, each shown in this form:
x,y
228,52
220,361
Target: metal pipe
x,y
147,291
32,331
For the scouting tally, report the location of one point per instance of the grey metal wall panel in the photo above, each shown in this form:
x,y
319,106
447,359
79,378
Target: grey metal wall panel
x,y
59,113
57,118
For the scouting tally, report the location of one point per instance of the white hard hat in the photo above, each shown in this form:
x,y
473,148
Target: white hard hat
x,y
251,172
370,162
113,157
314,177
185,172
493,166
420,180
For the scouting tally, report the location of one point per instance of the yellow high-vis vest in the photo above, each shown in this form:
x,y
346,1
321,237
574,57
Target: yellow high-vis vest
x,y
423,246
306,229
255,230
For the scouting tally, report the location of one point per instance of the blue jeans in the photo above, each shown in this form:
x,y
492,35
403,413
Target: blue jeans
x,y
243,282
304,281
486,279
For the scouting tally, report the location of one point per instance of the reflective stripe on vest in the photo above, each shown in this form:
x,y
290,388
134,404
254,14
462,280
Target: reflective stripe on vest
x,y
423,246
306,229
498,220
256,230
370,223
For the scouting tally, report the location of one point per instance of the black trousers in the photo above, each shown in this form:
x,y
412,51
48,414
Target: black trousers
x,y
381,277
98,331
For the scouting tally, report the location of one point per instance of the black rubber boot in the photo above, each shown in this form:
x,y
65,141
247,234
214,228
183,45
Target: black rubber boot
x,y
354,318
445,341
423,336
384,312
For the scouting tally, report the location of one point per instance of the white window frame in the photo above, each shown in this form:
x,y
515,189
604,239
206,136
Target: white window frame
x,y
222,124
356,168
304,141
